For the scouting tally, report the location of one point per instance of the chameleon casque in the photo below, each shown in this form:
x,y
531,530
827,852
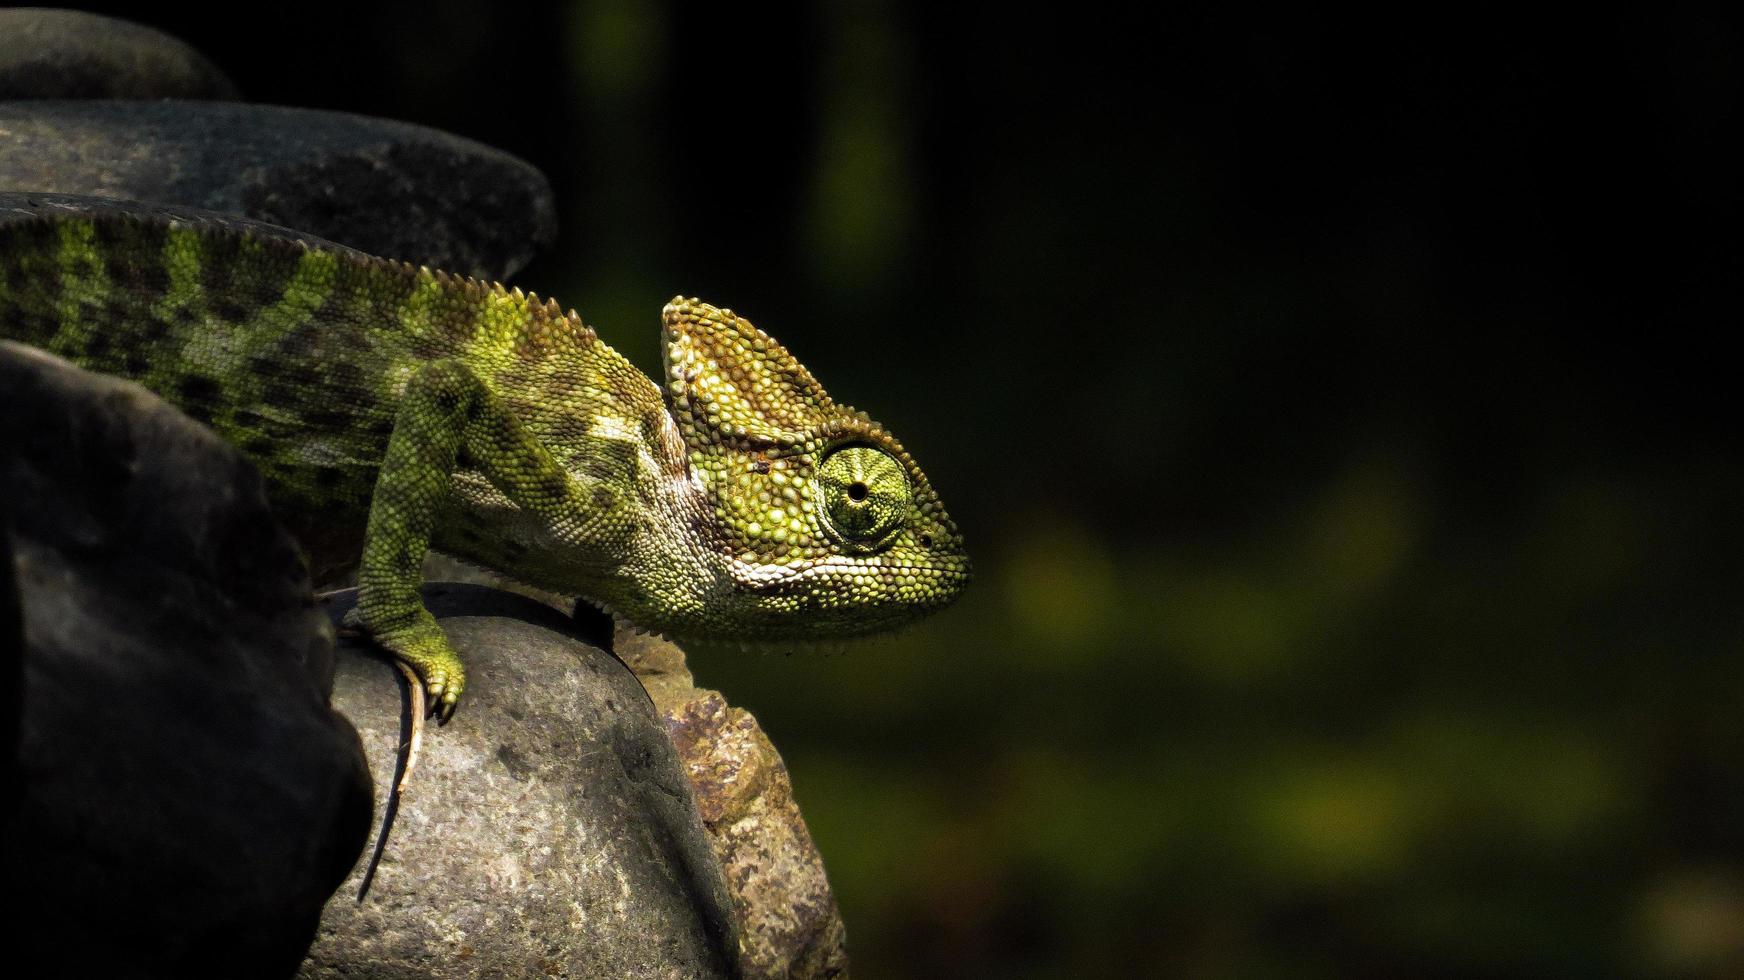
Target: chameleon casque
x,y
390,408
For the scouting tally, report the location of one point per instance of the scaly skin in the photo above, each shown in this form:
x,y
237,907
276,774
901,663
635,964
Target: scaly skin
x,y
391,407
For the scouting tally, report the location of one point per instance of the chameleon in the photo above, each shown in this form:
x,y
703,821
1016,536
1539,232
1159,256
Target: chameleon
x,y
391,408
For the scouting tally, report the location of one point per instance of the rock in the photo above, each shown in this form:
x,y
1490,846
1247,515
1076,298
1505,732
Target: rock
x,y
788,919
548,829
788,915
791,924
69,54
383,187
188,799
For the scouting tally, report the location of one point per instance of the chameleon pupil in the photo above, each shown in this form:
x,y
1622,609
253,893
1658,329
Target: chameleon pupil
x,y
866,495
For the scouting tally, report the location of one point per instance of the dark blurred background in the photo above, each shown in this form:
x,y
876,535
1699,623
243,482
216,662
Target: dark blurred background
x,y
1337,411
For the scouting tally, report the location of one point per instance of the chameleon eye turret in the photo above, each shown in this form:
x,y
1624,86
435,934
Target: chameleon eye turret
x,y
866,496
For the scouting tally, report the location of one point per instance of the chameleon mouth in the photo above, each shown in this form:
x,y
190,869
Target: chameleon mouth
x,y
776,575
842,598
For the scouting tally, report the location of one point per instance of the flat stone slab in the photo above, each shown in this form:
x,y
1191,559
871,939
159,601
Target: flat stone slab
x,y
384,187
69,54
184,798
548,829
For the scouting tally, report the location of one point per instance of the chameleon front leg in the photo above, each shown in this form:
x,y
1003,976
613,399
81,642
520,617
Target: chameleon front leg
x,y
446,409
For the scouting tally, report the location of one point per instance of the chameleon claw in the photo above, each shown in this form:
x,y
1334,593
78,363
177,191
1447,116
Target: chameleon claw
x,y
443,690
442,697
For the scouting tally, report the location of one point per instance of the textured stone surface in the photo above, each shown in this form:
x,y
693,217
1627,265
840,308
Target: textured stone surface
x,y
782,897
788,919
384,187
69,54
189,799
791,925
548,830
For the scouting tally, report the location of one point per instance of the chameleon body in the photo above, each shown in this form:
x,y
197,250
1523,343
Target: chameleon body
x,y
391,407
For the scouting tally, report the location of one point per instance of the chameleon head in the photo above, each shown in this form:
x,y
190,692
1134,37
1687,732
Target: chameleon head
x,y
823,524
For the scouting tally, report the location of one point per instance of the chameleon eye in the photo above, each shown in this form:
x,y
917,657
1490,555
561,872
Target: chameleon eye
x,y
865,494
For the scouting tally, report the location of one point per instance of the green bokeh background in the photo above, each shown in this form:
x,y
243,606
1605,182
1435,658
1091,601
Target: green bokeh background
x,y
1331,405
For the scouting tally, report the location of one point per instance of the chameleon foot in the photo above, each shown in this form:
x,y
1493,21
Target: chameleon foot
x,y
421,646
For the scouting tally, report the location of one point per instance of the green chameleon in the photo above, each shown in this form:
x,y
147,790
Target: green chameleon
x,y
391,408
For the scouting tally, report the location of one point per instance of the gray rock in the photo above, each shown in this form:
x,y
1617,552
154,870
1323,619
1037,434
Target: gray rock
x,y
383,187
548,829
789,925
69,54
188,799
